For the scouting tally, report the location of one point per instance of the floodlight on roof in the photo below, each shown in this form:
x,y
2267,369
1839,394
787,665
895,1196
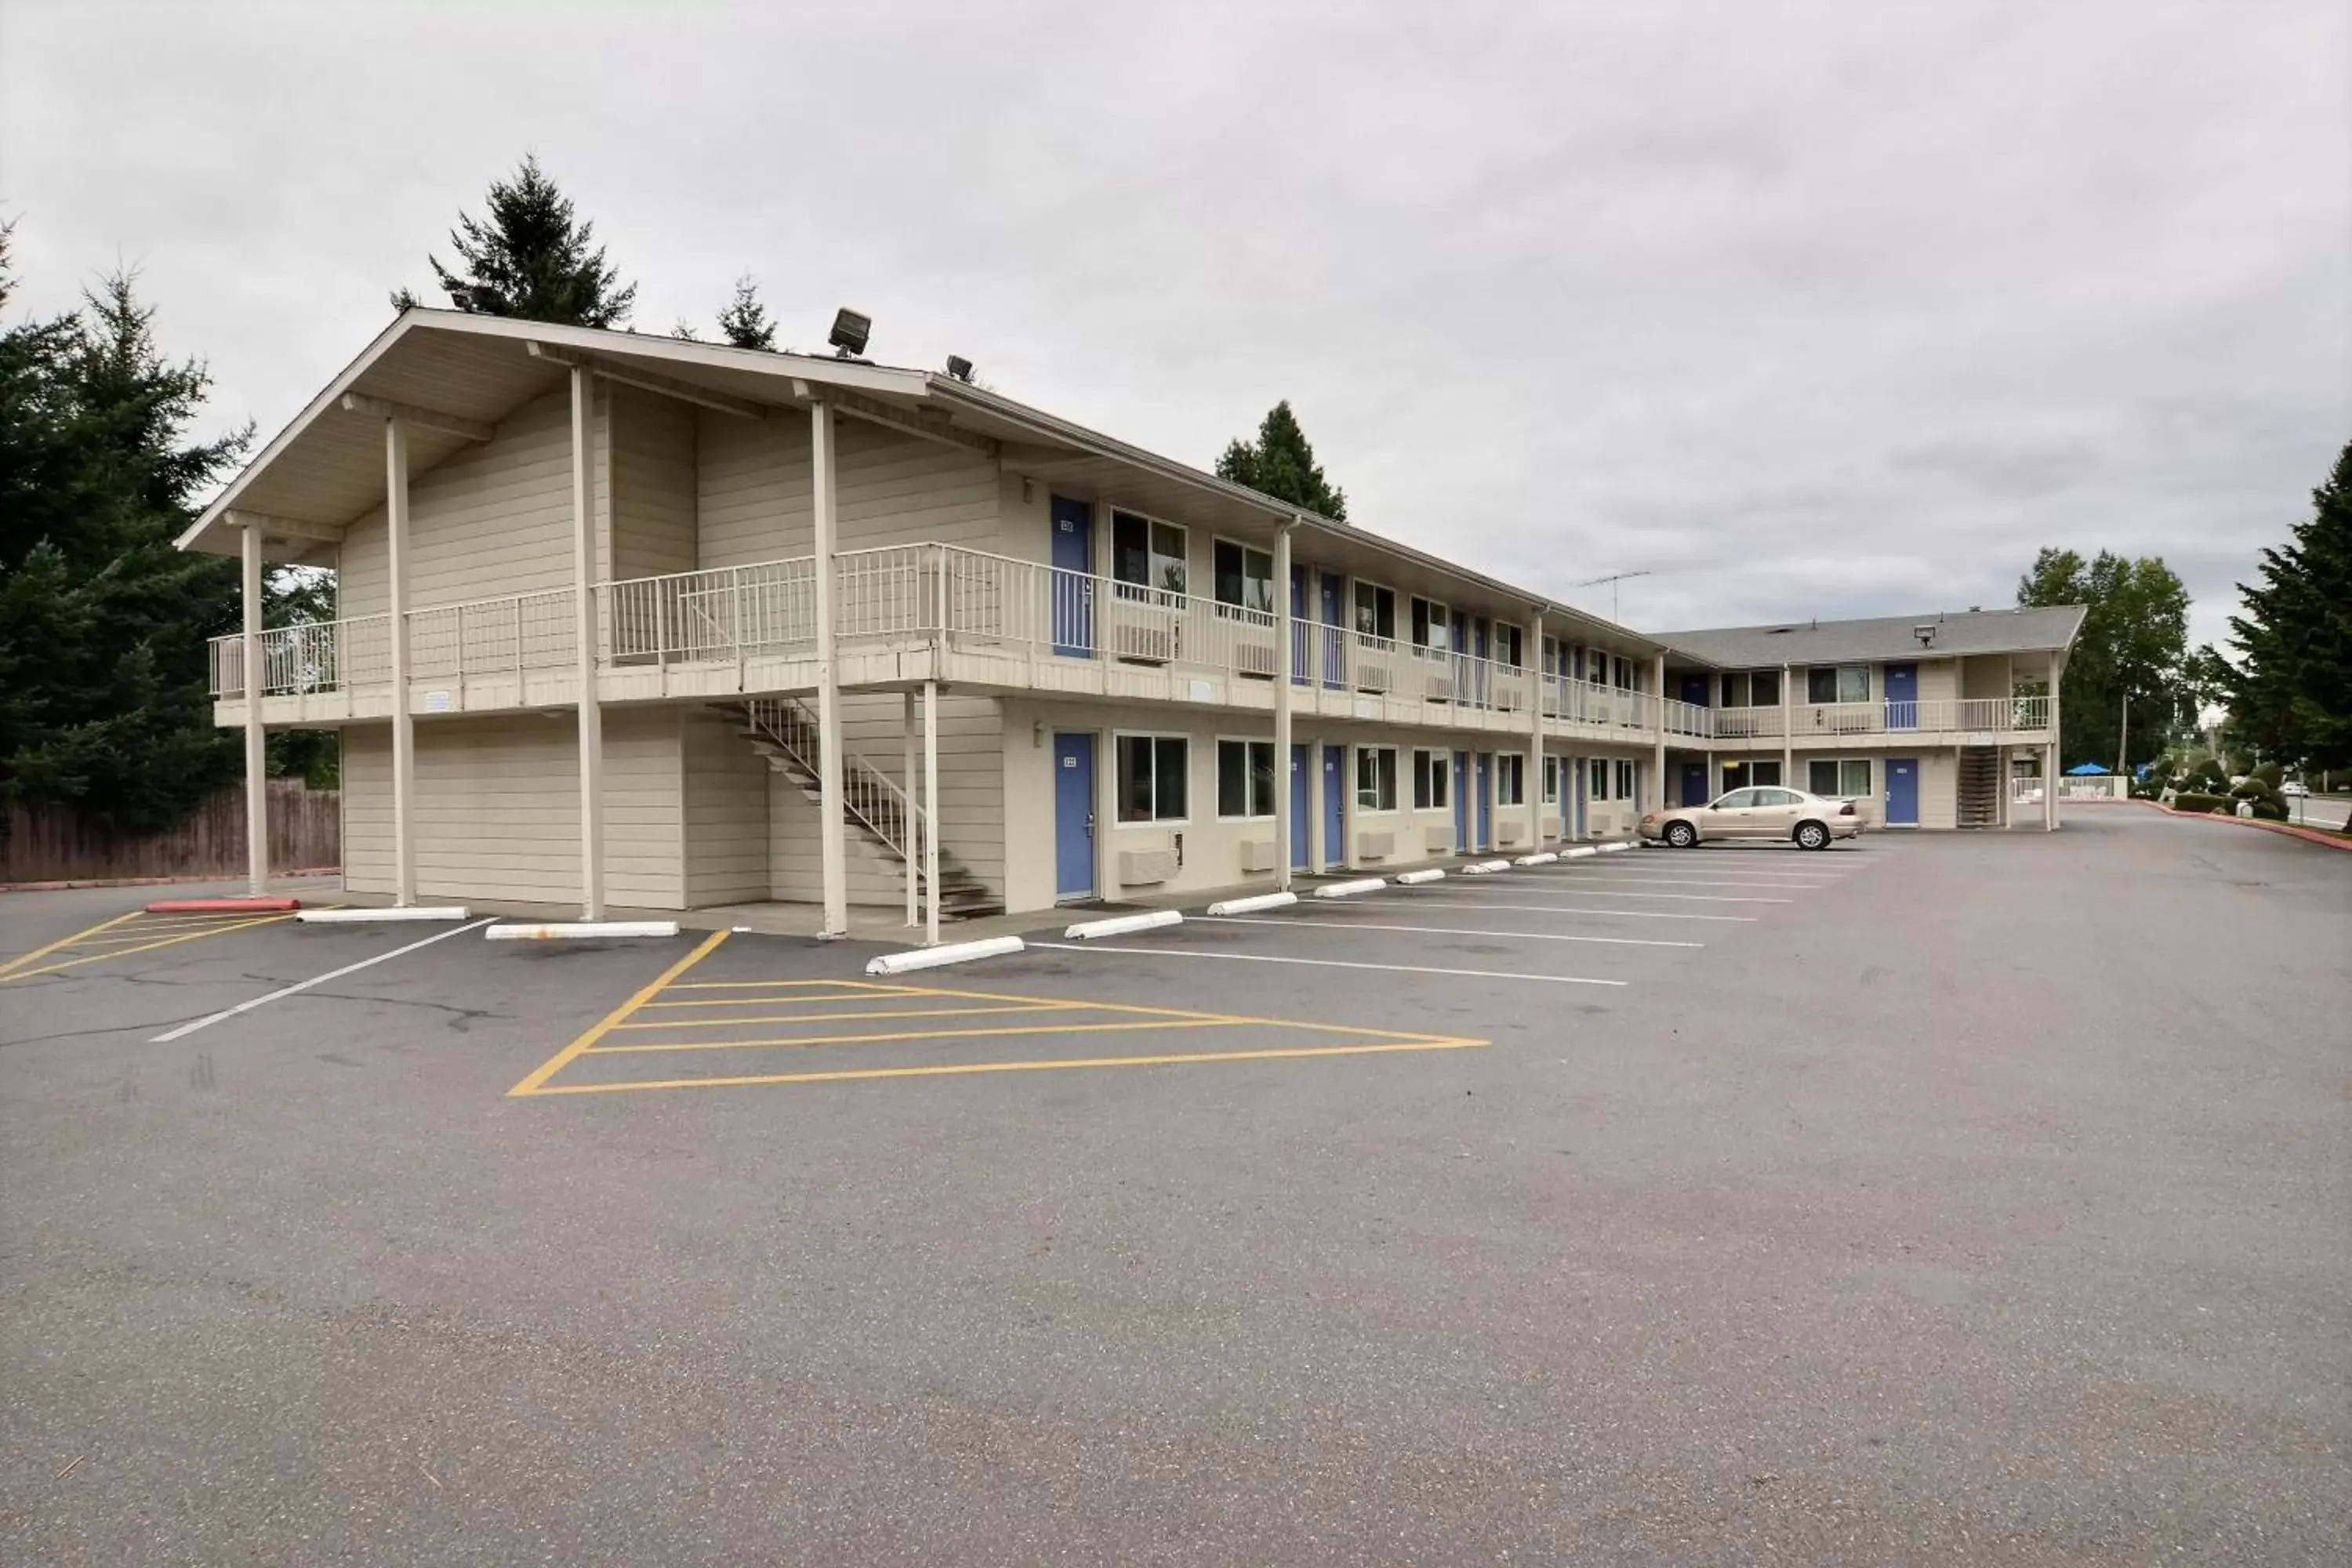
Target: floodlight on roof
x,y
849,332
959,367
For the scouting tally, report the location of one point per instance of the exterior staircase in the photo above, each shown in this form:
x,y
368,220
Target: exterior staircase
x,y
1981,785
881,823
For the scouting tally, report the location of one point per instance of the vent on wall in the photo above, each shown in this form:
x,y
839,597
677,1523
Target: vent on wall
x,y
1375,846
1438,840
1257,854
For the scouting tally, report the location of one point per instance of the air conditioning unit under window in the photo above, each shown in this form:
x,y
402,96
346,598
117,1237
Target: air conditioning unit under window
x,y
1255,658
1257,854
1437,840
1140,868
1375,846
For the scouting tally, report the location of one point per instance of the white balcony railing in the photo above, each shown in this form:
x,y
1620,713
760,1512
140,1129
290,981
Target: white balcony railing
x,y
968,601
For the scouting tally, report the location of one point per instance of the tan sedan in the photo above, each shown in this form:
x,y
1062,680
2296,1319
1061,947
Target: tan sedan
x,y
1764,812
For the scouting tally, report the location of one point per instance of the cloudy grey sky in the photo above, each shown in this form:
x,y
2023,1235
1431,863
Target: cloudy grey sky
x,y
1808,308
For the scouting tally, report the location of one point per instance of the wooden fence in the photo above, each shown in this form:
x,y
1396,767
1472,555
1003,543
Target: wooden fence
x,y
55,845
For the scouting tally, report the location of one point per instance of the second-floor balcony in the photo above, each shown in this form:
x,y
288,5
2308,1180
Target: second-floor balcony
x,y
907,613
1809,723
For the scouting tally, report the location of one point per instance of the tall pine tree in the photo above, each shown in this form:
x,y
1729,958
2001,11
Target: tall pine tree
x,y
2291,689
531,257
103,701
1281,464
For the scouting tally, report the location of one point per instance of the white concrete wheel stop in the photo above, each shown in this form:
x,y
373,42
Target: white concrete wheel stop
x,y
1540,857
1350,889
1419,878
579,930
396,912
1253,903
1485,867
1122,925
940,957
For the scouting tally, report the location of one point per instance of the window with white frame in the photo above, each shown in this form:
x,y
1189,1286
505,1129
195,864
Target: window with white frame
x,y
1845,683
1245,779
1511,779
1152,775
1625,782
1432,778
1375,611
1510,645
1597,783
1376,778
1551,780
1244,577
1735,689
1430,628
1146,555
1838,778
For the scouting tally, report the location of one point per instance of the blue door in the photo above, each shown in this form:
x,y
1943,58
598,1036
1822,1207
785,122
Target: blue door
x,y
1901,792
1073,588
1694,783
1486,800
1074,816
1335,806
1901,696
1302,816
1576,825
1335,642
1462,803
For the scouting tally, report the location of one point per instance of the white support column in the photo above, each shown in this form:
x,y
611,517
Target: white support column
x,y
1658,786
2050,787
1531,656
256,745
584,633
912,827
828,693
931,809
1788,740
1285,658
404,722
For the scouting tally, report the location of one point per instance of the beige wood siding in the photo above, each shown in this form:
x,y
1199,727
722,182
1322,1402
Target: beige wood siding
x,y
1939,679
497,814
971,798
653,442
495,518
726,814
752,494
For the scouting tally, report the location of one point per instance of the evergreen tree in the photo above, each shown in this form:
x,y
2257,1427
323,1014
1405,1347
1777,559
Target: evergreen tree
x,y
103,699
530,257
2291,690
1281,464
744,322
2127,680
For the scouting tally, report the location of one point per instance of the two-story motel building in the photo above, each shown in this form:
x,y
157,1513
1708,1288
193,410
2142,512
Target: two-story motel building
x,y
667,625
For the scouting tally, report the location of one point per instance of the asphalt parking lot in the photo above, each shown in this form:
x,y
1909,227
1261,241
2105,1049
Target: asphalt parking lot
x,y
1965,1198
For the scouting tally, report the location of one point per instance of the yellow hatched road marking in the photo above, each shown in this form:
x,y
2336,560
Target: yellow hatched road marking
x,y
960,1069
868,1013
556,1063
860,985
1195,1022
1223,1018
793,1001
83,935
144,947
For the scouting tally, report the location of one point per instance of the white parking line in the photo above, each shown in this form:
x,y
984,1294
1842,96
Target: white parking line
x,y
1613,914
1590,892
170,1034
1320,962
1447,930
1692,883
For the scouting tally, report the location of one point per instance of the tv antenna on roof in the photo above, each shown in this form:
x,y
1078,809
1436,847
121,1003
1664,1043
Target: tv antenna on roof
x,y
1612,580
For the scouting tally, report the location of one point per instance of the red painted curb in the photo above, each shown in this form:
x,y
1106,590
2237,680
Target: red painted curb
x,y
223,906
2292,830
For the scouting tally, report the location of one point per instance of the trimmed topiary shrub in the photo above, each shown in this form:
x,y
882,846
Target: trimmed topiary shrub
x,y
2270,774
2206,778
2202,802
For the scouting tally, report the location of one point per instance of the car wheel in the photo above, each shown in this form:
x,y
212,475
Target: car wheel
x,y
1681,835
1812,835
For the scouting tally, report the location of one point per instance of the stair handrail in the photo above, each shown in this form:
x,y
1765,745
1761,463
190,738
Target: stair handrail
x,y
764,714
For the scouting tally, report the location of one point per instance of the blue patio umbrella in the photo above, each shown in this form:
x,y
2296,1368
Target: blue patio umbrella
x,y
2083,768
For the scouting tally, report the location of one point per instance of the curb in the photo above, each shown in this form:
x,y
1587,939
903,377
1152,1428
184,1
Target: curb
x,y
954,952
69,883
223,906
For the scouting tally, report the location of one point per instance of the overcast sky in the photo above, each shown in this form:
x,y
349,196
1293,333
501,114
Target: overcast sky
x,y
1809,309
